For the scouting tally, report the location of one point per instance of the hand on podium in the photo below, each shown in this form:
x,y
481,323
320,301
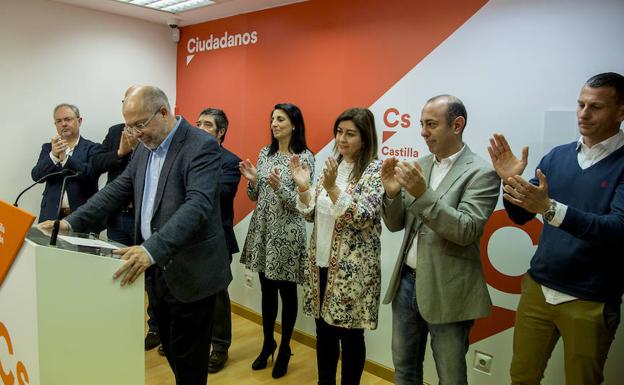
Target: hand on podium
x,y
46,226
137,261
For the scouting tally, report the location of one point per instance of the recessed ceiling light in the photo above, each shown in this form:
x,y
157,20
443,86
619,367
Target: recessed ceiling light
x,y
172,6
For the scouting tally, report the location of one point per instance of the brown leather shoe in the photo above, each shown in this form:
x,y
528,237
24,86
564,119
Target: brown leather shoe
x,y
217,361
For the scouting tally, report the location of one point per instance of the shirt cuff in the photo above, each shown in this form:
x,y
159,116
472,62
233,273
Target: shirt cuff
x,y
54,159
148,255
69,226
300,206
342,204
560,212
387,200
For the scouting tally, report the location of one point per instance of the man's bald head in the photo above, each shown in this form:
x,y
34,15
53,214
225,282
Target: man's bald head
x,y
145,98
455,108
148,115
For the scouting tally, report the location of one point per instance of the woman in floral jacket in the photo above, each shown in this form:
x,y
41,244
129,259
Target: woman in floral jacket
x,y
342,277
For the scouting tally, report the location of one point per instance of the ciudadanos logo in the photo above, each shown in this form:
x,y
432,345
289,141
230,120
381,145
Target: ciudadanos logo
x,y
197,45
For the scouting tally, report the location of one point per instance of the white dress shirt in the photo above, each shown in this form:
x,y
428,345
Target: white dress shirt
x,y
327,212
68,152
440,169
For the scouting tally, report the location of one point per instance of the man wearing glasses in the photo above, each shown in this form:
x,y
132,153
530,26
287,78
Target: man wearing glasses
x,y
174,177
66,150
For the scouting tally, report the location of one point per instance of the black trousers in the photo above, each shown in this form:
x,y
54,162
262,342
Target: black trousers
x,y
329,340
185,330
288,292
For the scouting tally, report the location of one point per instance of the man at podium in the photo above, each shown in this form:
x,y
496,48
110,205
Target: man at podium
x,y
174,177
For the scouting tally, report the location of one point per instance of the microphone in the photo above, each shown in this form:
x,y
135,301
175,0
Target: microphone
x,y
57,221
44,178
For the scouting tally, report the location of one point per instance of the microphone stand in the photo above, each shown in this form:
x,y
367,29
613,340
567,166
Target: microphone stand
x,y
43,178
57,221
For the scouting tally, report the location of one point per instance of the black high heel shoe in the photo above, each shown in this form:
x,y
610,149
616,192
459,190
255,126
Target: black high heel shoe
x,y
261,361
281,363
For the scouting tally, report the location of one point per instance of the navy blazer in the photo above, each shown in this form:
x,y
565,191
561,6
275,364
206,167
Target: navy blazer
x,y
187,240
229,185
79,189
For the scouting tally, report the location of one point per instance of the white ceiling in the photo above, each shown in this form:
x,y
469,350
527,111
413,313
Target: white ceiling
x,y
221,9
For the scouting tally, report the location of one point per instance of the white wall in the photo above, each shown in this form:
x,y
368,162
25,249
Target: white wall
x,y
518,66
52,53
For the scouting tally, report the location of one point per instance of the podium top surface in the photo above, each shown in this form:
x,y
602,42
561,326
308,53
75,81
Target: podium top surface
x,y
42,238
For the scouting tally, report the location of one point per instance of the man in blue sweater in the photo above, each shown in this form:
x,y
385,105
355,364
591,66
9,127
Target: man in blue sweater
x,y
574,286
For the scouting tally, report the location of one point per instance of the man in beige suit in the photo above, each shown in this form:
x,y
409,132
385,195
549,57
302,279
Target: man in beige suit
x,y
437,286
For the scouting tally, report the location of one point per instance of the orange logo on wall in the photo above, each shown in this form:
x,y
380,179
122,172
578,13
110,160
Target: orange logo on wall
x,y
322,55
500,319
14,223
8,378
393,119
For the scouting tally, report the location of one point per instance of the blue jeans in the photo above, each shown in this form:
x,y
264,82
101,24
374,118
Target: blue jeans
x,y
449,342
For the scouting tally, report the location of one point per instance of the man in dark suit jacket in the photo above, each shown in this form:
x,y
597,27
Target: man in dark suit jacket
x,y
117,148
70,151
215,122
174,178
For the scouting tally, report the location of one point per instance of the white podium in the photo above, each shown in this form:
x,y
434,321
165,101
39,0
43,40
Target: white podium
x,y
64,321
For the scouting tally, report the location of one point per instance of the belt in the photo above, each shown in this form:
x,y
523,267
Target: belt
x,y
65,211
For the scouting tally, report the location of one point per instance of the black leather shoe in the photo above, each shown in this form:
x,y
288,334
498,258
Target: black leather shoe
x,y
152,339
281,363
217,361
161,350
261,361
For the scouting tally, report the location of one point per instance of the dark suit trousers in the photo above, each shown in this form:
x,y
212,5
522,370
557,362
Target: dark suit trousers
x,y
185,330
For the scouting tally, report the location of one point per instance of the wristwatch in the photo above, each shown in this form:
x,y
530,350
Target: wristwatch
x,y
549,213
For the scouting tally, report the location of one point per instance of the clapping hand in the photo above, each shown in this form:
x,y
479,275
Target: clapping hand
x,y
329,174
59,146
411,178
274,179
300,173
530,197
249,171
503,159
390,184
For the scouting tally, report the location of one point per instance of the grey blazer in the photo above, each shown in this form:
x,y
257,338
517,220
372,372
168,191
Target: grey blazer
x,y
187,239
450,286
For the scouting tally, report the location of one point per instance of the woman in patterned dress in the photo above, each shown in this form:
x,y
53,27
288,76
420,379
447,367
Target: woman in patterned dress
x,y
343,275
275,244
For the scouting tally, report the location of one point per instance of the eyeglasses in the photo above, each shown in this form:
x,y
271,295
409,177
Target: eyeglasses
x,y
63,120
137,128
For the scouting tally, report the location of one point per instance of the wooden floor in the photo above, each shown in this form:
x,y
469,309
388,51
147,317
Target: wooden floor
x,y
246,344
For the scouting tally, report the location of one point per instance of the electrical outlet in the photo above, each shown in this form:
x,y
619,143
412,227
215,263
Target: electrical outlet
x,y
248,280
483,362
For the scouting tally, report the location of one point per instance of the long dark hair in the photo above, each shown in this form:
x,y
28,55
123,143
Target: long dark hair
x,y
364,120
297,143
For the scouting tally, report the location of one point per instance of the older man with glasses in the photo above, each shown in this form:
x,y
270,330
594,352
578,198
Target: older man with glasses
x,y
174,178
66,150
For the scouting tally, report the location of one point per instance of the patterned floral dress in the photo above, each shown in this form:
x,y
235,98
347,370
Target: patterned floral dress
x,y
276,238
351,298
